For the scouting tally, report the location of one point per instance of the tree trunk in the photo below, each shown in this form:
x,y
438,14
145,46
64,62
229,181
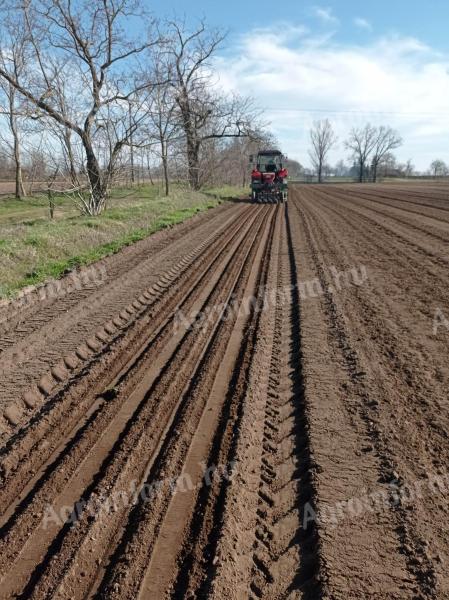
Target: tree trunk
x,y
193,150
149,169
70,156
97,185
320,173
131,147
193,145
167,184
374,172
20,189
131,152
362,168
165,166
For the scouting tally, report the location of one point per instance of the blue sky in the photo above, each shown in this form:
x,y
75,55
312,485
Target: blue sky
x,y
429,21
385,62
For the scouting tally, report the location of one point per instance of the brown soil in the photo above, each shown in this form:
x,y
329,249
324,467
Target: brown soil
x,y
291,443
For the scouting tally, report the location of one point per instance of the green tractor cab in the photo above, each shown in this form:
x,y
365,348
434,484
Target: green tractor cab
x,y
269,177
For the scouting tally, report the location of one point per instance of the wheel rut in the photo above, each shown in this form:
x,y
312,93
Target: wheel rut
x,y
232,413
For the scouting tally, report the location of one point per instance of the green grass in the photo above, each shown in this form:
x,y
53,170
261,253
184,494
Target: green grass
x,y
228,192
34,248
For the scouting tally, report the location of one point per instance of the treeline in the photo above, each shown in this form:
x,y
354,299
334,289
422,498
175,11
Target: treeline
x,y
370,151
370,148
85,98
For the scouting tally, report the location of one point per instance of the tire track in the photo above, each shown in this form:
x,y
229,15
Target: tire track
x,y
419,563
161,571
29,355
122,466
389,201
215,436
286,554
26,452
40,305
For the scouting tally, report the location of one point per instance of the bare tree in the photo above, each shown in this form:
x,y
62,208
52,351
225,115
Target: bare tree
x,y
100,61
14,145
226,161
386,140
439,168
341,169
203,113
163,122
362,143
14,59
166,128
295,168
323,138
62,147
388,165
409,168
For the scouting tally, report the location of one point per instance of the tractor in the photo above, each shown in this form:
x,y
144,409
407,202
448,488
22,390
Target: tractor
x,y
269,177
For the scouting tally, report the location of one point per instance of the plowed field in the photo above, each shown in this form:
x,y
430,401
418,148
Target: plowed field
x,y
254,404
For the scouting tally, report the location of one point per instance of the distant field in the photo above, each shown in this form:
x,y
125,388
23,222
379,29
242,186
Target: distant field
x,y
8,187
425,180
34,248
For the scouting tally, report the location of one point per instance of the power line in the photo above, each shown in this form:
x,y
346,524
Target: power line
x,y
358,112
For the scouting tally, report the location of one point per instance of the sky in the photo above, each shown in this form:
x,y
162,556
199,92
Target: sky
x,y
384,62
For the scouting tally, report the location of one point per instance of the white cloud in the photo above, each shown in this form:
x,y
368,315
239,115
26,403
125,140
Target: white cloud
x,y
325,15
363,23
397,81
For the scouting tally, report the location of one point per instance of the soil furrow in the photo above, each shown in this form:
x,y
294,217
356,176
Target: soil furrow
x,y
251,405
362,311
69,460
27,359
125,463
26,452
